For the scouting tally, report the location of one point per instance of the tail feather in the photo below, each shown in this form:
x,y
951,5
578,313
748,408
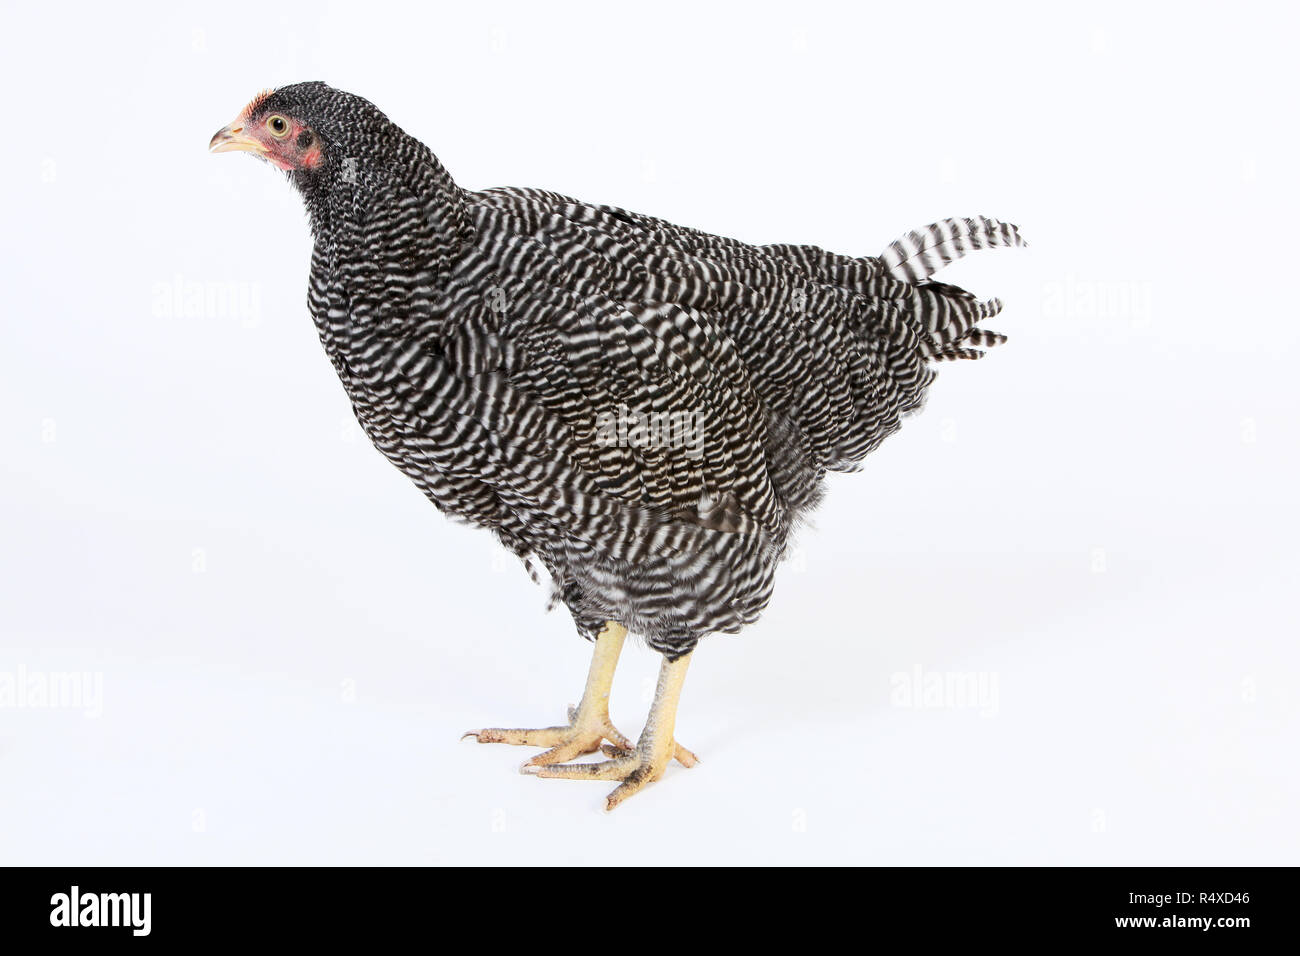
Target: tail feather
x,y
922,253
983,338
942,316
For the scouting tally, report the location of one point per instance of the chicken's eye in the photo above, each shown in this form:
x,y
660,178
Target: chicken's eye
x,y
279,126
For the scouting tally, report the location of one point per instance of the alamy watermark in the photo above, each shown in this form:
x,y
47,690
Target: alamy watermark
x,y
183,298
25,689
921,689
77,908
626,428
1079,297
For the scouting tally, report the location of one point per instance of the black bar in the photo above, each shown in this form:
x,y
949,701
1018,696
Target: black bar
x,y
972,905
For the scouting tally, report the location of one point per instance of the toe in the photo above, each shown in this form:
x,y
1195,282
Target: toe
x,y
618,740
685,757
541,737
565,752
630,785
604,770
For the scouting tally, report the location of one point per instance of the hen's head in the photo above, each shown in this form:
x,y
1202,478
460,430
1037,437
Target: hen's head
x,y
337,148
309,130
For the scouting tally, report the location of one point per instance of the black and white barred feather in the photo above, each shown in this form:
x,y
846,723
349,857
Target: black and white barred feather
x,y
484,337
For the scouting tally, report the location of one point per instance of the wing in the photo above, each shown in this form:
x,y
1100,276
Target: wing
x,y
613,400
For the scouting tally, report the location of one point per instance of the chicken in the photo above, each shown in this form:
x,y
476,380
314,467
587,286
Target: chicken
x,y
645,410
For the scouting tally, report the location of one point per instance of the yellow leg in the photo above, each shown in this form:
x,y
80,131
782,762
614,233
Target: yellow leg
x,y
647,762
589,722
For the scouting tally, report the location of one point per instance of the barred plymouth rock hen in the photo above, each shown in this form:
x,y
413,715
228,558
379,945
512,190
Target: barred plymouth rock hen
x,y
644,409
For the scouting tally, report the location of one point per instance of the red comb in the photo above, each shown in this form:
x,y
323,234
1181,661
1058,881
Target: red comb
x,y
257,101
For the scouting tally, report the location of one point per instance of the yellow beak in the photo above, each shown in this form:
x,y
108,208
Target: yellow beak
x,y
232,137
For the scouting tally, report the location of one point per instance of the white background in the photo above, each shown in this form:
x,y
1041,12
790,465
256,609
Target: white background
x,y
1098,521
